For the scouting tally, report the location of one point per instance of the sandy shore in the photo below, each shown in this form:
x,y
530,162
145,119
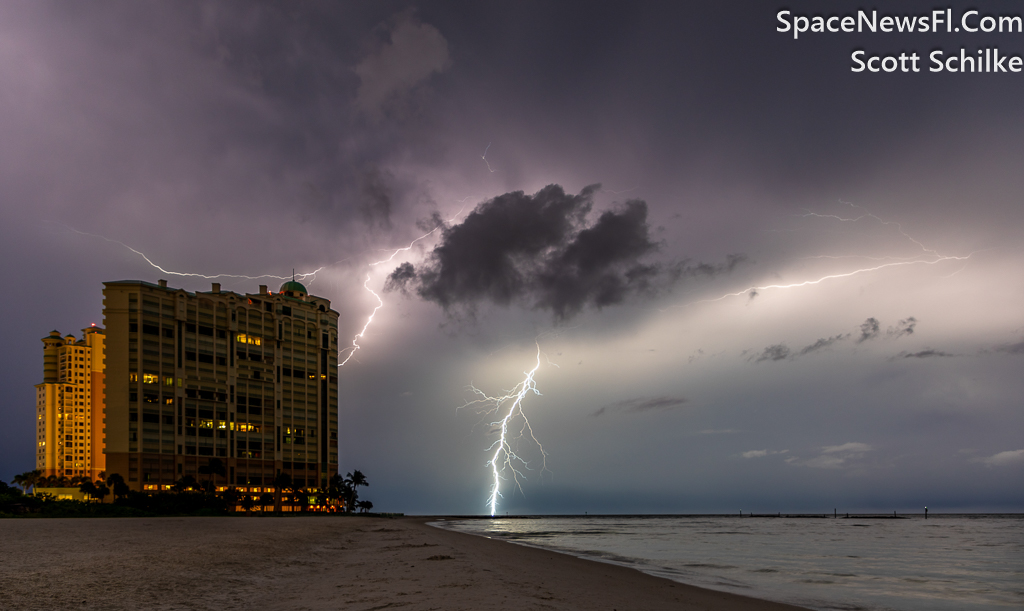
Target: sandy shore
x,y
312,563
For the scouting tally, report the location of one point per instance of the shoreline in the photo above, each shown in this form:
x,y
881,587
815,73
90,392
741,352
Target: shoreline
x,y
316,563
602,583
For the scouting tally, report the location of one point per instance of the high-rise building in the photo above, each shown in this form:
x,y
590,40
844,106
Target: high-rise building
x,y
69,405
250,379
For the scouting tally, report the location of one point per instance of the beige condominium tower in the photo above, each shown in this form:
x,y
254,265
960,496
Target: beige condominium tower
x,y
69,406
250,379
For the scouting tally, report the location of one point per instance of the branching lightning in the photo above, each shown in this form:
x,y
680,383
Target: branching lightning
x,y
355,347
929,256
351,350
197,275
505,460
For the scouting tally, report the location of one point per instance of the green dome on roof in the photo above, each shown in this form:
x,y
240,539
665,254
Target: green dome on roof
x,y
294,287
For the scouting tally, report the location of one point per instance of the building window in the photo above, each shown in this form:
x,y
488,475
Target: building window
x,y
243,338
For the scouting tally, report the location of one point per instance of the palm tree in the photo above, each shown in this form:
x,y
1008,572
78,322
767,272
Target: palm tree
x,y
187,482
34,477
88,488
116,483
281,481
301,499
215,466
365,506
29,479
101,490
335,489
231,498
354,480
265,499
247,504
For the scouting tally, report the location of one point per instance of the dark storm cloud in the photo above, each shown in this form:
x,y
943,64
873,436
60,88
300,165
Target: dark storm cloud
x,y
869,330
823,343
903,327
777,352
1017,348
377,192
781,352
923,354
411,53
641,404
540,250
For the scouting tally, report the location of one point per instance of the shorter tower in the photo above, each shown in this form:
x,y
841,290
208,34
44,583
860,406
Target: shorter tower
x,y
70,405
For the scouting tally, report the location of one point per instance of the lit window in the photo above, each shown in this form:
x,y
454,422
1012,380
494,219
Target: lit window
x,y
242,338
206,424
168,381
150,378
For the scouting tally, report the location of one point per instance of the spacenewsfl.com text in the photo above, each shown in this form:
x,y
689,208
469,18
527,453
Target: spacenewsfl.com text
x,y
987,59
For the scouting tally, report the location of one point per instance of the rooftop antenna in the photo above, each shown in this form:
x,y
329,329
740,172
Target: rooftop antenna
x,y
293,274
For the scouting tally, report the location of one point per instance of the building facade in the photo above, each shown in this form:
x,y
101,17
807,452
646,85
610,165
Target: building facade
x,y
250,379
70,406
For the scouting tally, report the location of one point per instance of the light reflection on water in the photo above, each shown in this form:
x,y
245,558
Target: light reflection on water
x,y
945,563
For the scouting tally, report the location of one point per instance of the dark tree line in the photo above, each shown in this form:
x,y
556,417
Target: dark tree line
x,y
188,495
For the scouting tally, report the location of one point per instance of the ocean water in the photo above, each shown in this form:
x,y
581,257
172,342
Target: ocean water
x,y
945,563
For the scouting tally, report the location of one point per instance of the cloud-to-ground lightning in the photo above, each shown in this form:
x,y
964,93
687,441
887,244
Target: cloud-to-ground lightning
x,y
930,256
509,405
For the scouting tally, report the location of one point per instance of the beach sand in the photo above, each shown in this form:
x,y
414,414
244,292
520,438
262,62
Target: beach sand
x,y
312,563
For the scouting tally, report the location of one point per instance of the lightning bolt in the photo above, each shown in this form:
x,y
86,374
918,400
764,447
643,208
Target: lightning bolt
x,y
757,289
504,458
484,157
931,257
192,274
355,347
867,214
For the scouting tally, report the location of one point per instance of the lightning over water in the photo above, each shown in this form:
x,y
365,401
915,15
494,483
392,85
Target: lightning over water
x,y
505,462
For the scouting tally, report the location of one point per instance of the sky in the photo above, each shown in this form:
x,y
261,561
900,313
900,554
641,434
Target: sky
x,y
743,276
